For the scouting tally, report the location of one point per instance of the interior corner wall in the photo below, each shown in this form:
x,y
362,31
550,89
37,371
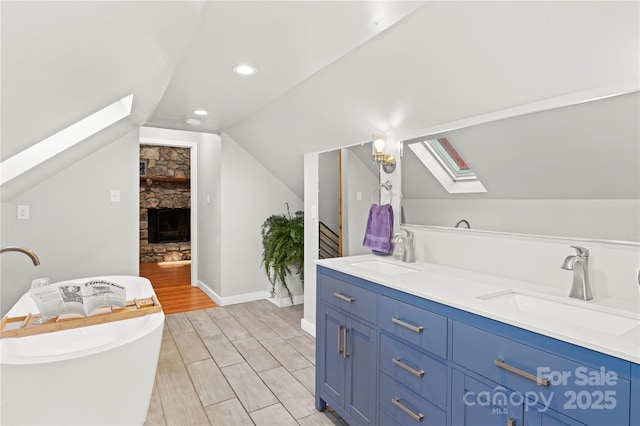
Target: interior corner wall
x,y
209,212
73,227
250,194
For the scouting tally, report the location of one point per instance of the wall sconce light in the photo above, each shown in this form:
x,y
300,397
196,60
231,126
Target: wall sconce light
x,y
388,162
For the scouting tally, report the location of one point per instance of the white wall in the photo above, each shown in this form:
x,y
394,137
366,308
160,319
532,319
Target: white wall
x,y
613,267
250,194
73,227
209,214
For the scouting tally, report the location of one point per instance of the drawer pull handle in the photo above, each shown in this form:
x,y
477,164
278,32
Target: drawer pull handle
x,y
343,297
417,417
417,373
539,380
339,342
345,354
417,329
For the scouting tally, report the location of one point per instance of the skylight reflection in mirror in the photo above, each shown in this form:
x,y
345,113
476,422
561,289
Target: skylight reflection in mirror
x,y
446,154
440,157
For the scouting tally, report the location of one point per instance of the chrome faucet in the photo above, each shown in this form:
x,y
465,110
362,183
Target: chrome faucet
x,y
26,251
579,264
407,245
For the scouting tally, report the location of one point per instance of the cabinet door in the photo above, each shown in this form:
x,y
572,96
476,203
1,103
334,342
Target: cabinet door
x,y
332,365
361,344
588,393
483,403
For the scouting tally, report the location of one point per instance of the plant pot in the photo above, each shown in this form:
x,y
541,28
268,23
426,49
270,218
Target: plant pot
x,y
280,296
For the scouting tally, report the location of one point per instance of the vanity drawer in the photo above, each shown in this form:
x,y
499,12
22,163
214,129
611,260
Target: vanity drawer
x,y
406,407
350,298
417,371
414,325
590,395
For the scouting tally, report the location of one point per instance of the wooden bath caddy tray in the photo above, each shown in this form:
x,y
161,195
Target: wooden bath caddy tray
x,y
28,325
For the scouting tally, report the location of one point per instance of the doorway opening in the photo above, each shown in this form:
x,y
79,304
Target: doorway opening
x,y
165,203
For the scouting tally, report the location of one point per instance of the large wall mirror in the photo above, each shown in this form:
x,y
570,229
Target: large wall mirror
x,y
572,171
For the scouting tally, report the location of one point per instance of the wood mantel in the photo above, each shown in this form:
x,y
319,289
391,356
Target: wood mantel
x,y
149,179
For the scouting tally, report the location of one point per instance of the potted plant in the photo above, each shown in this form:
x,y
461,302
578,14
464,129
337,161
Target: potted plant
x,y
283,244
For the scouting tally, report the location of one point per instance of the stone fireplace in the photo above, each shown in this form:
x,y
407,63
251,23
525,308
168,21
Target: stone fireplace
x,y
165,203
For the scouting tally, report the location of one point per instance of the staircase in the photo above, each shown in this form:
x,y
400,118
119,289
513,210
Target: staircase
x,y
329,243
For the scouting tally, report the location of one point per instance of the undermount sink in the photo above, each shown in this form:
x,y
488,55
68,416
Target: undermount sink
x,y
383,267
566,312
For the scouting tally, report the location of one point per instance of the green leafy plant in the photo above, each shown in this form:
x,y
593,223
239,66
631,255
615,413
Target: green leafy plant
x,y
283,244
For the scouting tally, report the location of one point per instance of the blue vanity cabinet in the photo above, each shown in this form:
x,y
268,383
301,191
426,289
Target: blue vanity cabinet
x,y
481,402
575,386
414,376
385,357
414,325
346,354
332,375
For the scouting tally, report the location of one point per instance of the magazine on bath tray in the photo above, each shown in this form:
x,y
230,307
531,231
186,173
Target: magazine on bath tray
x,y
77,303
77,297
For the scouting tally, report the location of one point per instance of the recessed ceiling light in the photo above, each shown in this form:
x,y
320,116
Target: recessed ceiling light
x,y
244,69
194,121
200,112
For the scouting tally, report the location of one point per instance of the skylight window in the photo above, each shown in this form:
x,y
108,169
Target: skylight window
x,y
440,157
65,139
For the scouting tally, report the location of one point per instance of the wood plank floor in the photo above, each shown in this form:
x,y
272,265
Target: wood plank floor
x,y
246,364
172,283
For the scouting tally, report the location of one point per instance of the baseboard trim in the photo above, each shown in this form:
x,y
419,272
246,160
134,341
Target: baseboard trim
x,y
308,327
212,294
232,300
284,301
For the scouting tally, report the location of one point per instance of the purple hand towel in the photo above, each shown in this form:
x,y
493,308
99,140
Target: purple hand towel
x,y
379,229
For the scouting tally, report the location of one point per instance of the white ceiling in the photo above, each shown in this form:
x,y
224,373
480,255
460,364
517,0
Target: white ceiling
x,y
329,73
286,41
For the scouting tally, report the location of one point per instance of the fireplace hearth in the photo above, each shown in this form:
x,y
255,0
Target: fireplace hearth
x,y
169,225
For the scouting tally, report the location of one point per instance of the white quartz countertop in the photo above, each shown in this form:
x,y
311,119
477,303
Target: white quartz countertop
x,y
604,325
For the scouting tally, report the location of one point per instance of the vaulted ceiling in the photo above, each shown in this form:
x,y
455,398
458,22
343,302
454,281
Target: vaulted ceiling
x,y
329,73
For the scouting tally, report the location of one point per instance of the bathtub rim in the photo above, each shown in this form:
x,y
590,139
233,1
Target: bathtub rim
x,y
153,321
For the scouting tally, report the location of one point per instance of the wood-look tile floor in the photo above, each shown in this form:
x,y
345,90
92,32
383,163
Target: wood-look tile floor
x,y
245,364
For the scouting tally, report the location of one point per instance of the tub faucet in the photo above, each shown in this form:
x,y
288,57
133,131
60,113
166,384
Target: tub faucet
x,y
26,251
579,264
407,245
463,221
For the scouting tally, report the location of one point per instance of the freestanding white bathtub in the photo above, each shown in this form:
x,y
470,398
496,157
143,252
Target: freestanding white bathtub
x,y
96,375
